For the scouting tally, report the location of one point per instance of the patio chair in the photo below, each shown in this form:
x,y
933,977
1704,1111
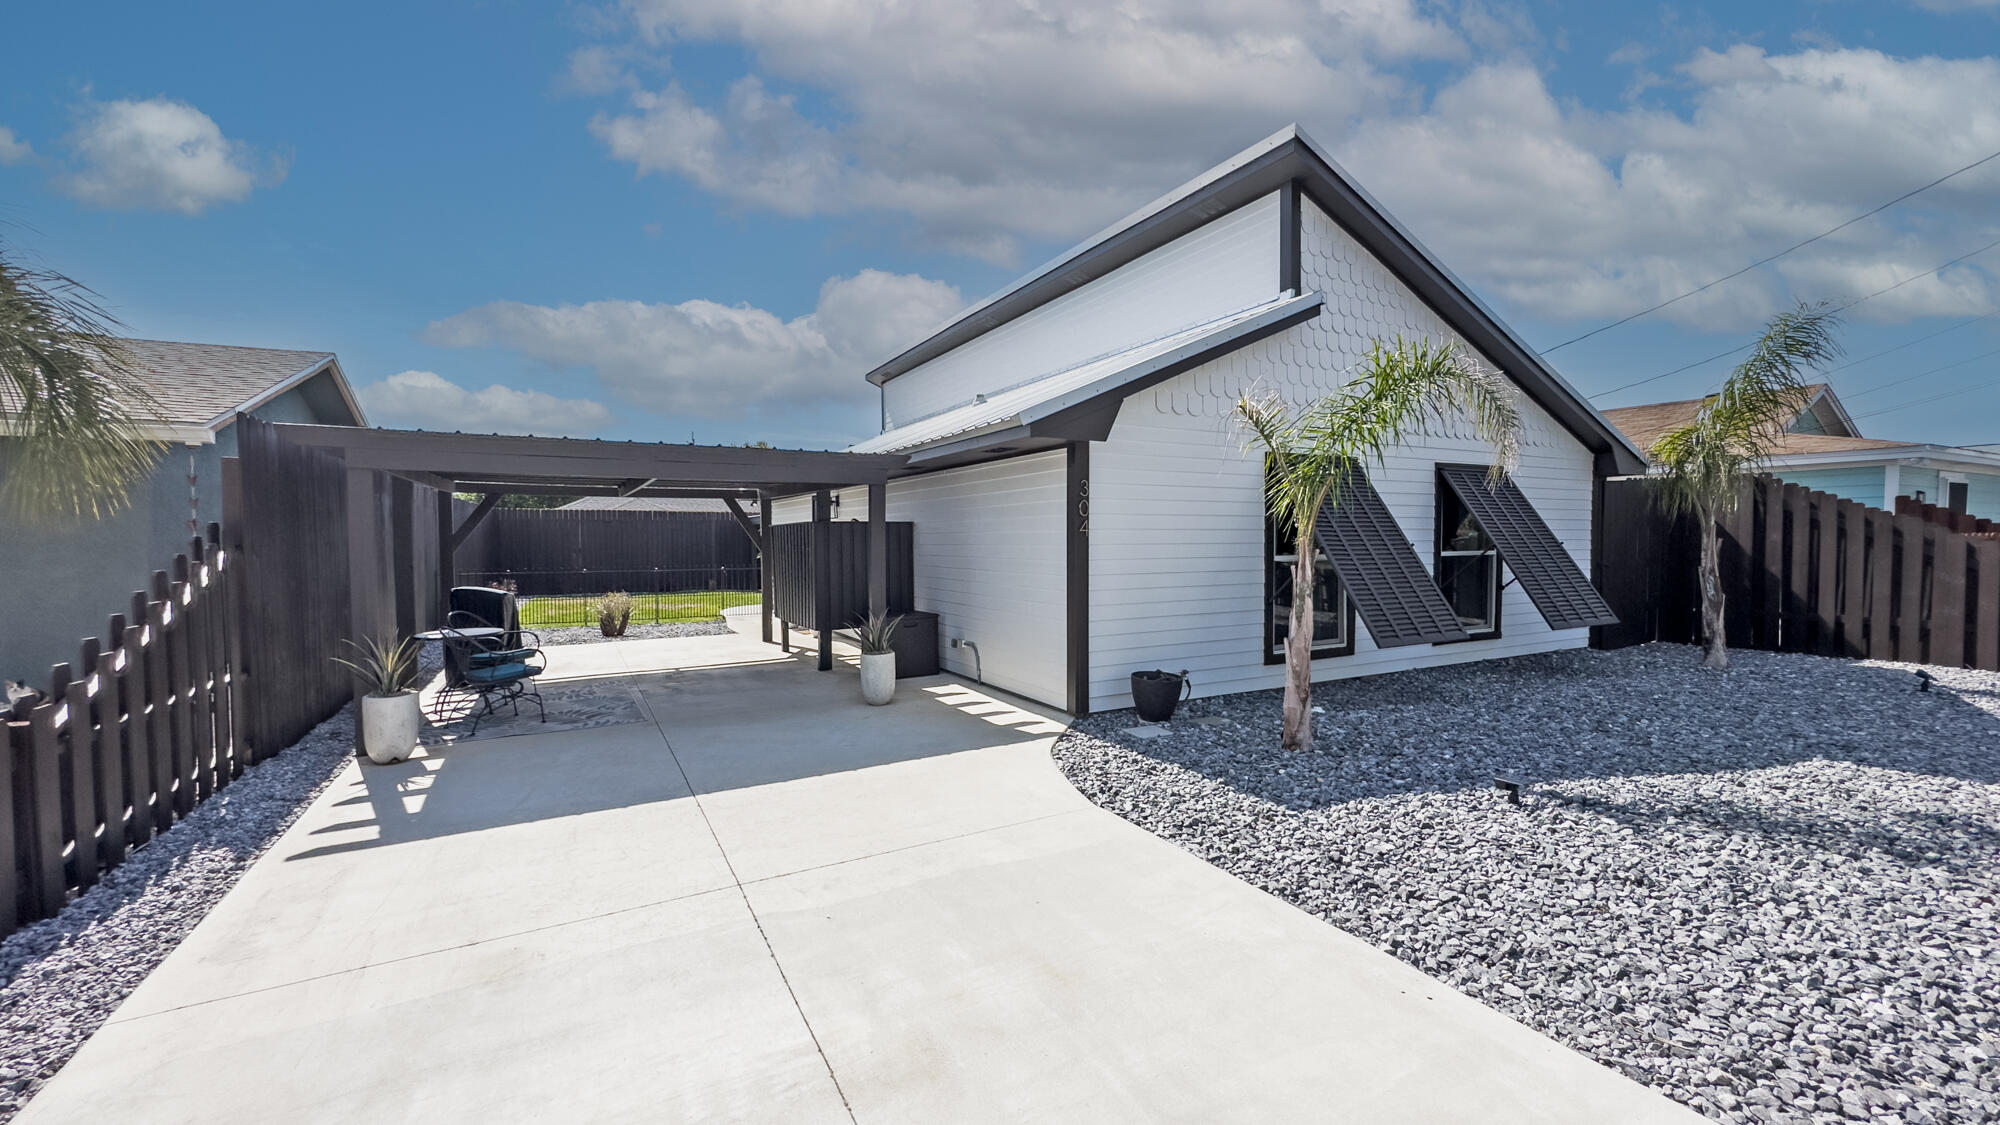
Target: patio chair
x,y
492,667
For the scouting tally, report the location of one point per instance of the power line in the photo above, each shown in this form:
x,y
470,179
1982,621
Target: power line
x,y
1922,374
1837,308
1776,256
1980,386
1910,343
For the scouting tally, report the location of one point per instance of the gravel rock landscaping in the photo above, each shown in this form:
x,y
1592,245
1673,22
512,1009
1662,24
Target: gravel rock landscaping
x,y
62,977
1772,893
591,634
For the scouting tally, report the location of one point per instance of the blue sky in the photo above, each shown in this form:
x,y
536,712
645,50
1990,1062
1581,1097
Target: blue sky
x,y
658,219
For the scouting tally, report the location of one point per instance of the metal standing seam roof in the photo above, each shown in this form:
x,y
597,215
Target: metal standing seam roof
x,y
1043,396
1548,575
1393,594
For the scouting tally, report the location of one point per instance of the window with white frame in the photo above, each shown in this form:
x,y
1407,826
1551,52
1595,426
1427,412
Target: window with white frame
x,y
1333,614
1468,566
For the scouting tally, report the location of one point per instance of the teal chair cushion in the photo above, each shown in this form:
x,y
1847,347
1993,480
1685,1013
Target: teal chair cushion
x,y
499,673
502,656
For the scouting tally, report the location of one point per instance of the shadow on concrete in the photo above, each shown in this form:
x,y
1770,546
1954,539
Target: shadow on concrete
x,y
730,725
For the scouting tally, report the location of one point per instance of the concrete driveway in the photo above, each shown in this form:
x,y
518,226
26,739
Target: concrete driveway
x,y
767,902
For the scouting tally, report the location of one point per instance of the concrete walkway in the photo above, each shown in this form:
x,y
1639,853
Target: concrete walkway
x,y
767,902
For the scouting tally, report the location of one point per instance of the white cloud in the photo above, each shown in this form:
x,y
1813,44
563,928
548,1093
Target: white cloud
x,y
989,124
161,155
428,401
13,150
1573,213
719,362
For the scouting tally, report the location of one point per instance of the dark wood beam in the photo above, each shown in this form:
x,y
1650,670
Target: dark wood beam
x,y
633,486
822,557
473,518
743,521
878,550
1076,521
447,566
470,456
764,561
432,480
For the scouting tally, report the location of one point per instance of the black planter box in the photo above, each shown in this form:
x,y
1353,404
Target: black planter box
x,y
917,646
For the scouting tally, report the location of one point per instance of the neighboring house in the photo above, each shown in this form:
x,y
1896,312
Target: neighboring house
x,y
1084,503
1823,449
64,581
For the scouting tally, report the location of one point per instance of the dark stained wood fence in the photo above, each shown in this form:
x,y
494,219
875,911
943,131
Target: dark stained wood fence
x,y
1804,571
286,507
552,551
148,723
791,558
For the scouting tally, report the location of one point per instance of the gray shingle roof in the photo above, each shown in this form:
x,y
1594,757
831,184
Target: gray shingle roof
x,y
194,383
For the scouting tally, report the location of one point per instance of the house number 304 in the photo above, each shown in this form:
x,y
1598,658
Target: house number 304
x,y
1083,505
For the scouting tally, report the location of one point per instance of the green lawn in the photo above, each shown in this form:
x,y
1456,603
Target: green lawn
x,y
647,609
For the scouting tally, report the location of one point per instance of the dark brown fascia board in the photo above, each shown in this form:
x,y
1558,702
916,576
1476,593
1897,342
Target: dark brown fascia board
x,y
504,457
1286,157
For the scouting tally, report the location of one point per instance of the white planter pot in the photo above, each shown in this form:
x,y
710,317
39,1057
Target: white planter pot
x,y
878,677
389,726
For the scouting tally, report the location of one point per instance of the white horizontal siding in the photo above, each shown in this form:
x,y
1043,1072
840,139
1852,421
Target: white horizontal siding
x,y
1229,264
990,561
1177,525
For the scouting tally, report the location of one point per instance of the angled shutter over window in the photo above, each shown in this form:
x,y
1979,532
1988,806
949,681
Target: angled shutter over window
x,y
1538,559
1392,592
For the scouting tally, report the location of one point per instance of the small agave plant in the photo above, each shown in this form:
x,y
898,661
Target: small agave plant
x,y
877,637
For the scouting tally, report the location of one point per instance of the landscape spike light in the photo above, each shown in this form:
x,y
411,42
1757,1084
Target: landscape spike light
x,y
1510,786
1924,680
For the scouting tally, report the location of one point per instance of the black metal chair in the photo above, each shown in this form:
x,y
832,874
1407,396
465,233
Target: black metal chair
x,y
491,664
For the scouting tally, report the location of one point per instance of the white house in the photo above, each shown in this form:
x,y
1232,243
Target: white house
x,y
1084,503
1823,450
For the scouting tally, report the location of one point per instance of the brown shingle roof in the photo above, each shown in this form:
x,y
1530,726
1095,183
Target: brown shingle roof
x,y
1647,424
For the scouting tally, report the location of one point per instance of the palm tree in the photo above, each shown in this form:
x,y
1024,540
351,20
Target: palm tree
x,y
1705,462
69,401
1403,389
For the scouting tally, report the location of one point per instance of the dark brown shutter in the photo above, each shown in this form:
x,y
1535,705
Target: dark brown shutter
x,y
1392,592
1538,559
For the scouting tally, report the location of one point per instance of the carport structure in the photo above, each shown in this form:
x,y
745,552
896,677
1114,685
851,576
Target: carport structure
x,y
495,465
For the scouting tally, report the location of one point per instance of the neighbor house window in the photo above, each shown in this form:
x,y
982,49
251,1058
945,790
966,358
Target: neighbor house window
x,y
1468,566
1333,614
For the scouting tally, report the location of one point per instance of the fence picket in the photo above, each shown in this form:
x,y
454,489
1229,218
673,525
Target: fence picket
x,y
45,811
1881,587
138,726
1797,622
13,747
1853,578
1985,610
110,754
1770,566
81,789
1826,581
1947,610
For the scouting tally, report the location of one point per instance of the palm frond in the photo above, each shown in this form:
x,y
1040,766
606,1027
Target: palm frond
x,y
1735,429
69,394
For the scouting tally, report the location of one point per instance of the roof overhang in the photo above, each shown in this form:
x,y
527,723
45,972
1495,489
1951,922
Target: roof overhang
x,y
584,467
330,365
1929,456
1286,157
1082,402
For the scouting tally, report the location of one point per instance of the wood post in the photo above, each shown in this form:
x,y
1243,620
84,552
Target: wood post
x,y
822,556
764,561
878,550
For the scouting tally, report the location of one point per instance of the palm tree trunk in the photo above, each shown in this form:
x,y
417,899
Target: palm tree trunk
x,y
1714,634
1298,733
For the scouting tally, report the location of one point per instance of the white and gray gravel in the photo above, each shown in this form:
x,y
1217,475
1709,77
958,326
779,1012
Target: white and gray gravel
x,y
1772,893
62,977
591,634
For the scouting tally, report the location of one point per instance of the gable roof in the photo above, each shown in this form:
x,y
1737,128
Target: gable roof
x,y
1288,156
206,384
1647,424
